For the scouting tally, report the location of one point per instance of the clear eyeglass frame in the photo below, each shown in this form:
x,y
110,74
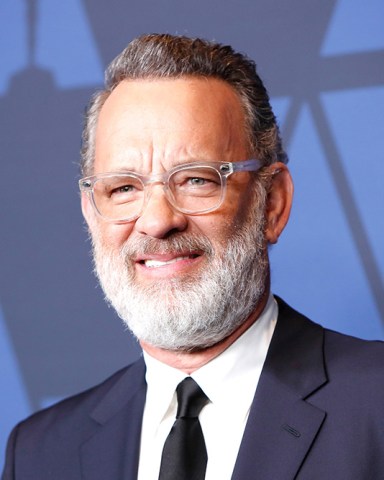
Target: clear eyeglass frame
x,y
223,170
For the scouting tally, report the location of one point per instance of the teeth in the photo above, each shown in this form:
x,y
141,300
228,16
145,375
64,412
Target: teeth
x,y
157,263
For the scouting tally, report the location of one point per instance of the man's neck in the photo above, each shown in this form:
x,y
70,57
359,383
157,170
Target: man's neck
x,y
190,361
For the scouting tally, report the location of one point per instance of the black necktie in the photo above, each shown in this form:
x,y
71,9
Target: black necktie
x,y
184,453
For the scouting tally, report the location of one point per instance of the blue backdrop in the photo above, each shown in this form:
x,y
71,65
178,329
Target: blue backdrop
x,y
323,61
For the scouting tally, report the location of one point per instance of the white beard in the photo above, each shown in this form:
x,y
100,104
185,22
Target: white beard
x,y
194,312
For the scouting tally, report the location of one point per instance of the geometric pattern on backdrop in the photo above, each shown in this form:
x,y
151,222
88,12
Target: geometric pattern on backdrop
x,y
327,143
35,39
355,26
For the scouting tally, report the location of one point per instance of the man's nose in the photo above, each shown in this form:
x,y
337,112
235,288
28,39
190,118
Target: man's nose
x,y
159,219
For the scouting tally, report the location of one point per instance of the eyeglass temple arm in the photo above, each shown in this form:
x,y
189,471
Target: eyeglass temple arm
x,y
247,165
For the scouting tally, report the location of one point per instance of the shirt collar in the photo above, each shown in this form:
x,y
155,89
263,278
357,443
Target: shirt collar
x,y
230,377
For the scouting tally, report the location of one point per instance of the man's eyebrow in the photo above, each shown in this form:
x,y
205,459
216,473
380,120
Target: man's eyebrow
x,y
173,164
191,160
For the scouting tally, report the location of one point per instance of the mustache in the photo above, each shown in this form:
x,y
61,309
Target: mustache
x,y
178,243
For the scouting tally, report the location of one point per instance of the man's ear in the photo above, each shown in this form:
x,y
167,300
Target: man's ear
x,y
279,201
87,209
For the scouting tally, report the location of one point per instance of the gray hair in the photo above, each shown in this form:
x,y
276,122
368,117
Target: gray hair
x,y
167,56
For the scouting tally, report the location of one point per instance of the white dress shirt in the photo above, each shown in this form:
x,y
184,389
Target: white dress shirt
x,y
229,381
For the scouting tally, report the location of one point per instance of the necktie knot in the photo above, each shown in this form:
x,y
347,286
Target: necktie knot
x,y
190,399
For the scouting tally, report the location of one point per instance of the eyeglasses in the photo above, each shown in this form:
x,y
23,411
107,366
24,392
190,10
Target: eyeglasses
x,y
191,188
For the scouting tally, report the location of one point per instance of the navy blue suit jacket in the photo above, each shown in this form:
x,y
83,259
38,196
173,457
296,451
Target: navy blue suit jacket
x,y
318,414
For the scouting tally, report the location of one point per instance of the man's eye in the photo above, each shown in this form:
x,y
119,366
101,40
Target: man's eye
x,y
124,189
125,192
197,181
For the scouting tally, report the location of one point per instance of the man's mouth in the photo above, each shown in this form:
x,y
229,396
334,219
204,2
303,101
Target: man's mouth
x,y
172,261
151,263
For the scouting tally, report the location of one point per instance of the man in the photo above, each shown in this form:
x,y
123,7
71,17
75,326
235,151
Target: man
x,y
185,185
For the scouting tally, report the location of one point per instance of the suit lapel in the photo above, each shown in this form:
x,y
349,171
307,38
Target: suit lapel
x,y
113,450
282,425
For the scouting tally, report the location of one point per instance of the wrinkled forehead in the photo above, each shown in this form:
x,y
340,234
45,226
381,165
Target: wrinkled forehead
x,y
160,119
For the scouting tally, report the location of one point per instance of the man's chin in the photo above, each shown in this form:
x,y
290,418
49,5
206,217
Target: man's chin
x,y
165,329
179,345
171,287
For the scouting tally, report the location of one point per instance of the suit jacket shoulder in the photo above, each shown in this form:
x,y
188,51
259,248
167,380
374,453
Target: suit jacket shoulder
x,y
73,439
317,411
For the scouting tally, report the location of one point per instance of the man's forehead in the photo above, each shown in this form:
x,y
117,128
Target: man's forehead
x,y
137,91
191,117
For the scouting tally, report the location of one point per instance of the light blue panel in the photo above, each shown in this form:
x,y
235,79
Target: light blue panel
x,y
356,26
280,107
357,119
315,266
14,404
13,40
65,44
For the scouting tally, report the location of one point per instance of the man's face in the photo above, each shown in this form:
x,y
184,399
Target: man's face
x,y
164,256
151,126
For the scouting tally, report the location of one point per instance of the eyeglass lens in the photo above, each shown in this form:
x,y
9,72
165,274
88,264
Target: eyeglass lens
x,y
191,190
